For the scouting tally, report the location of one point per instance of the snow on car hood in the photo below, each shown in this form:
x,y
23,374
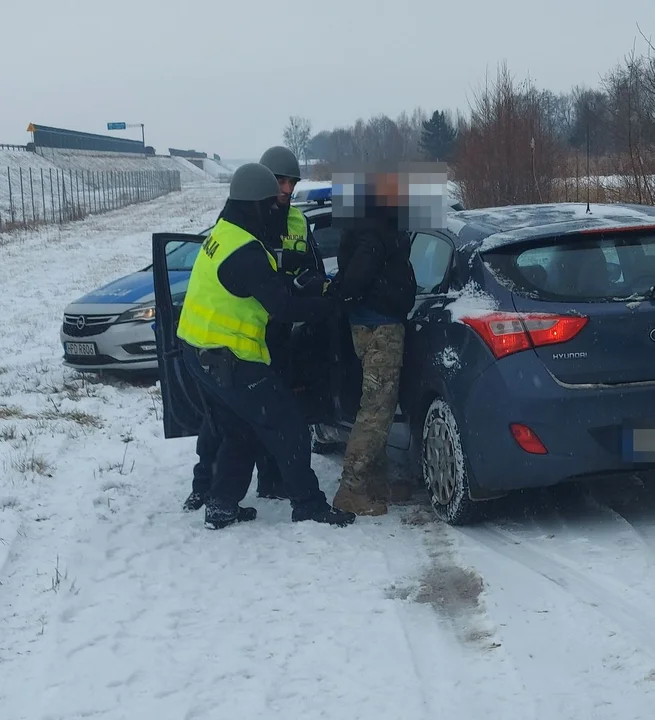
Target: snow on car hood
x,y
136,288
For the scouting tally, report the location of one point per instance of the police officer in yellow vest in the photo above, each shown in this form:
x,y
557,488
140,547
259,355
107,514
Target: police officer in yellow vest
x,y
290,241
233,292
290,236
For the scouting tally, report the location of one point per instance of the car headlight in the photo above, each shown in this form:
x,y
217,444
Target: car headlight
x,y
144,313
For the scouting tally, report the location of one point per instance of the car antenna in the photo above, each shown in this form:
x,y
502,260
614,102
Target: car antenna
x,y
588,175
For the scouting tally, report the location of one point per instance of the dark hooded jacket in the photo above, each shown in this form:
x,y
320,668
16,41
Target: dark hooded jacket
x,y
375,273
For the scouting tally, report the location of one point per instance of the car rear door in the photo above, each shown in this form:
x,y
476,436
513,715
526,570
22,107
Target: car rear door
x,y
312,356
600,283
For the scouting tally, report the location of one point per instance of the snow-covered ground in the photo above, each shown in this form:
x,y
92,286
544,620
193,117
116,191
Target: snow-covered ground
x,y
114,604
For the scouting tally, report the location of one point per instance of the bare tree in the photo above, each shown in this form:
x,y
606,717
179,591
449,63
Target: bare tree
x,y
508,151
375,140
297,135
632,125
520,144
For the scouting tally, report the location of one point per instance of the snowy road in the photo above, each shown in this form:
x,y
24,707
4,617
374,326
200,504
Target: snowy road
x,y
116,605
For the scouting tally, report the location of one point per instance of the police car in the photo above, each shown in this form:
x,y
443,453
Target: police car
x,y
112,327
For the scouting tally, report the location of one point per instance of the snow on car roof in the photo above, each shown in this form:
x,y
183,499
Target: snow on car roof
x,y
496,227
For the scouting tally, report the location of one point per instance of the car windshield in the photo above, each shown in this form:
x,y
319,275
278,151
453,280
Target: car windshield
x,y
180,256
608,266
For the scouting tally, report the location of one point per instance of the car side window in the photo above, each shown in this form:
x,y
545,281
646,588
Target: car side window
x,y
430,257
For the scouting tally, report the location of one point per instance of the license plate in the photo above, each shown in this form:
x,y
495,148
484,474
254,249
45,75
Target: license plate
x,y
639,444
75,348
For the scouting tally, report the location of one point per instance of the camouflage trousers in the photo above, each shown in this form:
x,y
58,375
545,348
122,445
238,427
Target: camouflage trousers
x,y
380,351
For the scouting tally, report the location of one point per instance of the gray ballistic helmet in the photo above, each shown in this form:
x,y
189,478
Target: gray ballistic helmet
x,y
253,182
281,162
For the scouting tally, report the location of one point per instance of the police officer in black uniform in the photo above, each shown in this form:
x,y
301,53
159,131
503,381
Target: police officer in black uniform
x,y
233,290
291,241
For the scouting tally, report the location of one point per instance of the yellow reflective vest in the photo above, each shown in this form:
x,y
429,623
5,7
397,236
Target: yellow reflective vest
x,y
214,318
296,237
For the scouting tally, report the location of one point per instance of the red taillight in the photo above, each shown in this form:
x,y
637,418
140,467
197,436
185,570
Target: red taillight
x,y
506,333
527,439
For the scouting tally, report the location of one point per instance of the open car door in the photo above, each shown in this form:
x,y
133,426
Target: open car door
x,y
173,256
313,355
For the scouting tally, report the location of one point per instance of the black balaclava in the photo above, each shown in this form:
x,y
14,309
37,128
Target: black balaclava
x,y
253,217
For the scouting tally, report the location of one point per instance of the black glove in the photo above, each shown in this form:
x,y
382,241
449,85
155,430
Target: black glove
x,y
335,290
309,284
293,261
333,287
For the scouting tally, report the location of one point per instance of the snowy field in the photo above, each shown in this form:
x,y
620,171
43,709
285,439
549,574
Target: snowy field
x,y
116,605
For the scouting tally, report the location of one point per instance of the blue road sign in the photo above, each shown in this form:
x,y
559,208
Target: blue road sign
x,y
116,126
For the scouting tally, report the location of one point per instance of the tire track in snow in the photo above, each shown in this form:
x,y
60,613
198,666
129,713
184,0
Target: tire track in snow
x,y
638,619
633,505
452,647
429,708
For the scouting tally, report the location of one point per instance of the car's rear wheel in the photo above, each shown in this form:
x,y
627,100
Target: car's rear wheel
x,y
443,464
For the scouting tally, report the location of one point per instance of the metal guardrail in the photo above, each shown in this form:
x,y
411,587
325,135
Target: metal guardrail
x,y
31,197
4,146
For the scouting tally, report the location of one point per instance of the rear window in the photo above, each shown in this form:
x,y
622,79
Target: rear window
x,y
610,267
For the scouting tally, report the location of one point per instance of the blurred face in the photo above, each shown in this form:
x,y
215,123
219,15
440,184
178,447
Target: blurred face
x,y
287,186
387,189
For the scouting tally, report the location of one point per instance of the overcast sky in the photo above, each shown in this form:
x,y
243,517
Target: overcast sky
x,y
222,76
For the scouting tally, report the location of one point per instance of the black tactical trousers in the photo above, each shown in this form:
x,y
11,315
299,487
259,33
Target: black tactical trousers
x,y
207,447
269,480
254,405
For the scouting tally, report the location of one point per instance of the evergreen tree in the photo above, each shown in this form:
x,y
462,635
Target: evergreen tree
x,y
438,137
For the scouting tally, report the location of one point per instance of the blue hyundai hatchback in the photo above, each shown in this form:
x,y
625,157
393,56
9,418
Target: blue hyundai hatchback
x,y
529,357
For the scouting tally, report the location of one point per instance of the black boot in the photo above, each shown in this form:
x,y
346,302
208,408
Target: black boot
x,y
218,517
194,502
323,514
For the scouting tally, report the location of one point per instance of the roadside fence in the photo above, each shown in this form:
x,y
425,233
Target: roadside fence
x,y
31,197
